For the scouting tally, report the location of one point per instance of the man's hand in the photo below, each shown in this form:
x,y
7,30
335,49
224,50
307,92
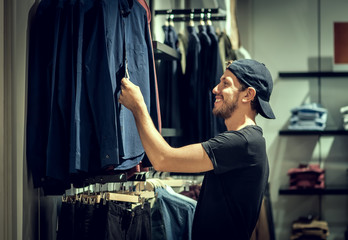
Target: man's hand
x,y
131,96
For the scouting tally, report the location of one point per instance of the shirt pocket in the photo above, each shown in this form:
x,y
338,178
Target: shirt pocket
x,y
136,57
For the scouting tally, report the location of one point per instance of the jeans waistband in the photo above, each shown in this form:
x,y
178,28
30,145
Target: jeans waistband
x,y
121,209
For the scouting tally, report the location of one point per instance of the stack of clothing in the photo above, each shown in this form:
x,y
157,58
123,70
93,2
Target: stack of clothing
x,y
344,112
307,176
310,116
305,228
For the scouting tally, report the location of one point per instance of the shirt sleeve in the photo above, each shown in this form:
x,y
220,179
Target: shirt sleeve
x,y
227,151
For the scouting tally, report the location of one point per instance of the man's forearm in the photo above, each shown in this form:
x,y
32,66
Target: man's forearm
x,y
155,146
164,158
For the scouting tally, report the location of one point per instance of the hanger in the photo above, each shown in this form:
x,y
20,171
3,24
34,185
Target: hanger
x,y
201,22
155,183
146,192
158,182
124,195
174,182
209,23
171,21
109,196
166,23
191,22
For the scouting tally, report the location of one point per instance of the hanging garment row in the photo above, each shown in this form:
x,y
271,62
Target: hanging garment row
x,y
78,53
207,16
185,85
144,211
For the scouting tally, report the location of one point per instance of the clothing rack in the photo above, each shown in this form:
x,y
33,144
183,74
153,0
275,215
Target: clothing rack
x,y
205,14
139,177
115,178
101,179
101,183
187,11
197,19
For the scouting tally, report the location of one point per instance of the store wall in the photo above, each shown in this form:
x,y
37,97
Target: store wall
x,y
2,124
18,211
285,37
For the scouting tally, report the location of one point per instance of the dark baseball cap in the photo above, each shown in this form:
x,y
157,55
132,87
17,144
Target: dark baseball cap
x,y
256,75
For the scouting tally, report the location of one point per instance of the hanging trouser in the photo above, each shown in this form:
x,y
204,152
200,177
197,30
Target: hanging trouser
x,y
125,224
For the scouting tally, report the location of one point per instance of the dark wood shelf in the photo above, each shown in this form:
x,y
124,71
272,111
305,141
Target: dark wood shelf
x,y
326,132
343,190
312,74
164,52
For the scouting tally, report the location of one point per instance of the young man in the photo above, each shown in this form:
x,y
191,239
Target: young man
x,y
235,161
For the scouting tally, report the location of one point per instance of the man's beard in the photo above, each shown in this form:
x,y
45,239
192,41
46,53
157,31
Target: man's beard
x,y
226,110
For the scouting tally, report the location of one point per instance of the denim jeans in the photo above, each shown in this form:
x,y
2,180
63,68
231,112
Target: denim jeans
x,y
128,224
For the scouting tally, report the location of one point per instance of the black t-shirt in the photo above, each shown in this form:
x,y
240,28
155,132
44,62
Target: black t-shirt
x,y
230,199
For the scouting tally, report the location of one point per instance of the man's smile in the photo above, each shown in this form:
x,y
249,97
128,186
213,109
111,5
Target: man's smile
x,y
218,99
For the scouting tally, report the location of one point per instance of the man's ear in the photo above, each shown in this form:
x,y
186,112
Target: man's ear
x,y
249,94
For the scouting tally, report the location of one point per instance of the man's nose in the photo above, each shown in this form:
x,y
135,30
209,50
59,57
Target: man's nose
x,y
215,89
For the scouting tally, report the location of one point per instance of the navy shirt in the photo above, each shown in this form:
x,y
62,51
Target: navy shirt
x,y
190,130
77,55
232,193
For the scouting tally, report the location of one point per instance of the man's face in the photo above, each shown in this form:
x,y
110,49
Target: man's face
x,y
226,95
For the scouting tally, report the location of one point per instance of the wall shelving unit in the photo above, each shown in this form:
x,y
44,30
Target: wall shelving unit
x,y
328,131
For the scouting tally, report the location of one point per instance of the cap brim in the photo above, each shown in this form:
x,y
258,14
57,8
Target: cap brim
x,y
265,109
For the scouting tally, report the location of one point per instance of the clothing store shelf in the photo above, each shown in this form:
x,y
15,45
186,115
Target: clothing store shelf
x,y
164,52
326,191
327,132
312,74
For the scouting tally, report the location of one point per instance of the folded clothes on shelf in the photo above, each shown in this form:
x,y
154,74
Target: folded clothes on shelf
x,y
344,112
304,228
306,176
309,116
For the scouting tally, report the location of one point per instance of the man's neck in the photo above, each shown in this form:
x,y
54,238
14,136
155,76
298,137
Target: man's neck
x,y
235,123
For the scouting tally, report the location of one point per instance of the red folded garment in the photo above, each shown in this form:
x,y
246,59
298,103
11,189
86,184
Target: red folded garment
x,y
306,176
